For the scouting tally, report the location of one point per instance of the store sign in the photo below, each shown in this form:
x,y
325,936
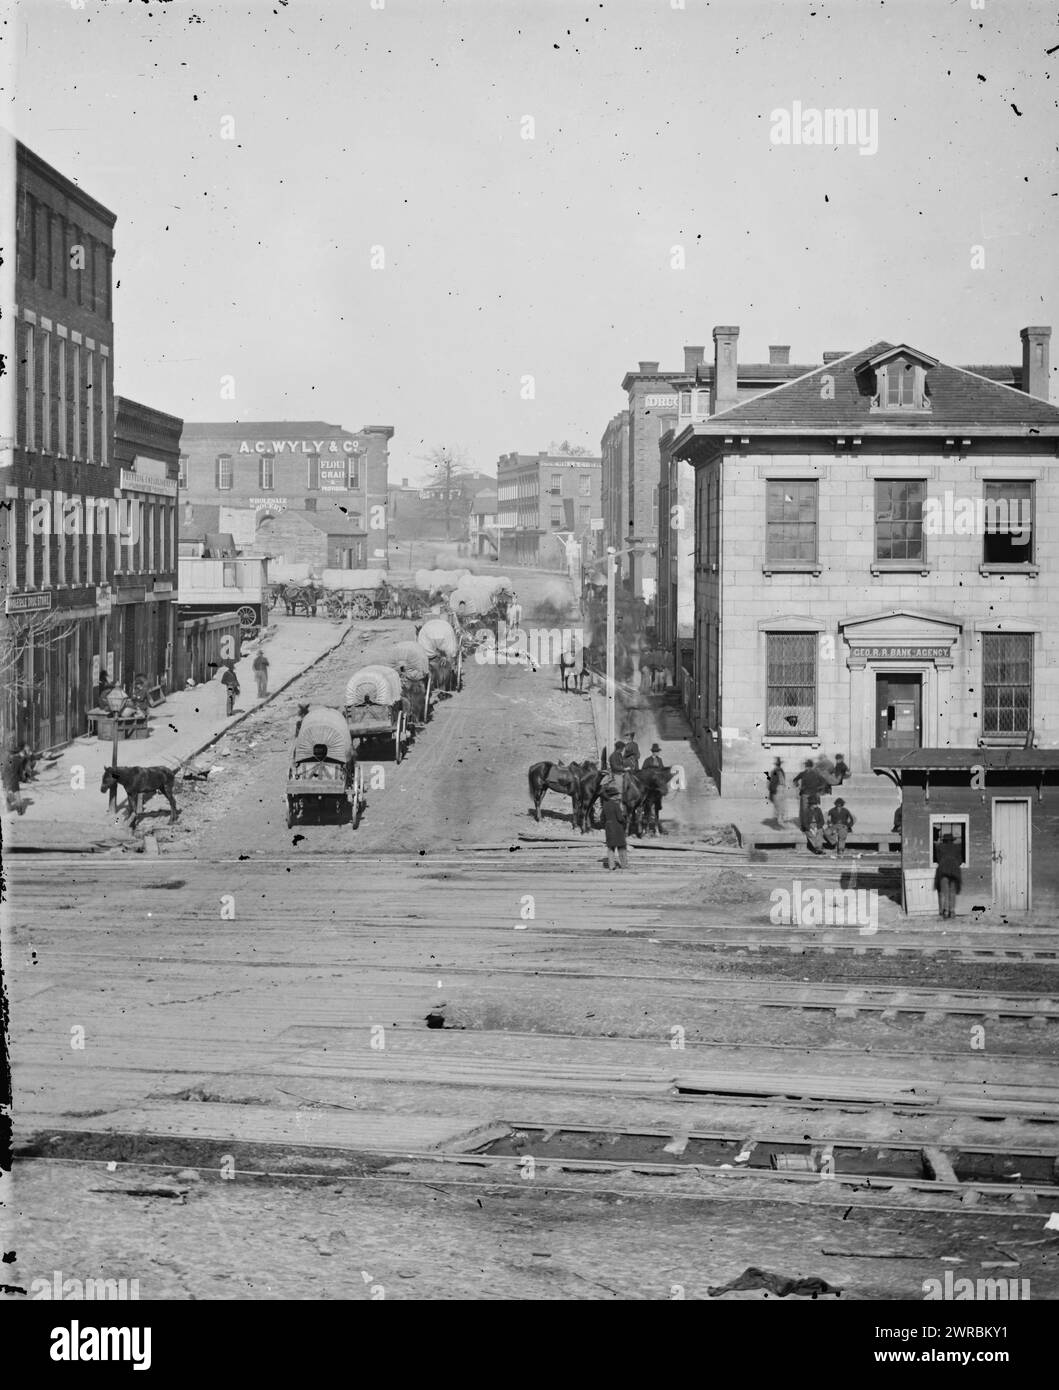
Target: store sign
x,y
300,446
139,482
924,652
334,475
666,402
28,603
272,504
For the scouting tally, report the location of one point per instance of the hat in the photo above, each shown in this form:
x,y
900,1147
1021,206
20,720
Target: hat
x,y
839,801
656,748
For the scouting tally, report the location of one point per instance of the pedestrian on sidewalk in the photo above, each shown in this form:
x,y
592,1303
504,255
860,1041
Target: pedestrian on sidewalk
x,y
947,876
614,828
260,668
11,774
814,828
654,758
840,821
811,785
841,770
231,681
777,785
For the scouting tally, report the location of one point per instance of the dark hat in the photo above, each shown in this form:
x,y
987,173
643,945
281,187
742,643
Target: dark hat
x,y
656,748
839,801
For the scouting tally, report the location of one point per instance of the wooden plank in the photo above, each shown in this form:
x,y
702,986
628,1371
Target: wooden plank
x,y
938,1165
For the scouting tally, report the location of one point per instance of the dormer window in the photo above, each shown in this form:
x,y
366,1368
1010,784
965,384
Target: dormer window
x,y
900,383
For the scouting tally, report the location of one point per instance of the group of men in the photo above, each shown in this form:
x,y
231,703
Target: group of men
x,y
625,758
814,781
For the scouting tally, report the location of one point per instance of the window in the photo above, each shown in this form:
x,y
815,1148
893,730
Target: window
x,y
224,473
77,401
268,472
104,414
685,402
90,408
182,474
557,516
45,392
584,514
704,402
899,519
231,576
30,405
62,398
1008,524
312,479
790,521
584,484
901,385
353,472
958,828
1007,683
557,484
791,683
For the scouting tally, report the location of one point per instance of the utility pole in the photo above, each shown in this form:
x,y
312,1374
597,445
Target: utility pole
x,y
611,570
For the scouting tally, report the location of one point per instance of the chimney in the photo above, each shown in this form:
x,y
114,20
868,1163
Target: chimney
x,y
648,366
693,357
780,356
725,369
1035,362
834,355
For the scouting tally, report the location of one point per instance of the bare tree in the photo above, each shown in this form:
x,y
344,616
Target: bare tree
x,y
19,634
447,462
572,450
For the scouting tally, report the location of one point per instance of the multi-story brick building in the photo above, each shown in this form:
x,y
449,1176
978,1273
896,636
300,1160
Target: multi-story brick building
x,y
143,616
876,561
614,488
301,466
696,399
60,482
542,500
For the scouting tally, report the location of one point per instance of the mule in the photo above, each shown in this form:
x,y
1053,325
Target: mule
x,y
306,596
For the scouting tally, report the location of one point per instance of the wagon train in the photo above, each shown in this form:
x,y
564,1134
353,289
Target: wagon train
x,y
445,651
323,774
377,711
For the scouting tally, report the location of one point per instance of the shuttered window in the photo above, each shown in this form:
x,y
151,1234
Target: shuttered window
x,y
224,473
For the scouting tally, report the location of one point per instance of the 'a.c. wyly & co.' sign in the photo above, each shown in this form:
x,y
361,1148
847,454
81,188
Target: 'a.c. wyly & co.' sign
x,y
300,446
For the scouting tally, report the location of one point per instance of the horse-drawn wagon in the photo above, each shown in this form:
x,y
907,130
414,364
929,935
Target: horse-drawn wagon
x,y
323,769
358,594
377,711
444,647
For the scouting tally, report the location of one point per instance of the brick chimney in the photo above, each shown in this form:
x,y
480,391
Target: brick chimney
x,y
834,355
725,368
693,357
1035,362
648,366
780,356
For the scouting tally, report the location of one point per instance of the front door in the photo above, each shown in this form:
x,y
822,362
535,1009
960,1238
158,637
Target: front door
x,y
1011,855
898,711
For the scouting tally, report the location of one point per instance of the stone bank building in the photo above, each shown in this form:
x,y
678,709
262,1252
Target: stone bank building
x,y
876,562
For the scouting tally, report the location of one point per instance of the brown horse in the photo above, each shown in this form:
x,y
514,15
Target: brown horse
x,y
565,778
306,596
641,795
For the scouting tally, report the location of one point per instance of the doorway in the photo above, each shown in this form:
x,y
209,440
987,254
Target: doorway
x,y
1011,855
898,710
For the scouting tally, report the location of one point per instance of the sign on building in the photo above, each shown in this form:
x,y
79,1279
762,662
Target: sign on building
x,y
28,603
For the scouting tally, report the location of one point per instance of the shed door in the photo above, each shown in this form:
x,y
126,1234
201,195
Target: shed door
x,y
1011,855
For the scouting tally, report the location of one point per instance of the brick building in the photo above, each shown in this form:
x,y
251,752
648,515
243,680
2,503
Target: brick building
x,y
696,399
143,614
614,488
876,561
542,499
63,534
324,539
300,466
652,410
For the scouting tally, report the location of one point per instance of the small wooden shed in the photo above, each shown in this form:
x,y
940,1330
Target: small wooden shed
x,y
1001,805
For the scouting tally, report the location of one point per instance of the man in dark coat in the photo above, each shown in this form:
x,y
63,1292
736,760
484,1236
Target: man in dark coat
x,y
614,827
632,753
617,758
810,783
231,681
654,758
947,876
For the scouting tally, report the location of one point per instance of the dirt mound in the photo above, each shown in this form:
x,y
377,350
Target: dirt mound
x,y
726,886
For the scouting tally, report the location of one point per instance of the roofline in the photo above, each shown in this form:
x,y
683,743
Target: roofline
x,y
64,185
702,430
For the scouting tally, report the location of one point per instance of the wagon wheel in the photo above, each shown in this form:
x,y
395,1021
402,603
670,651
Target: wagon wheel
x,y
335,608
397,736
248,620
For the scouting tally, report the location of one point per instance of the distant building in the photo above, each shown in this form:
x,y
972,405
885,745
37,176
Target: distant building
x,y
297,466
482,530
614,490
543,499
322,539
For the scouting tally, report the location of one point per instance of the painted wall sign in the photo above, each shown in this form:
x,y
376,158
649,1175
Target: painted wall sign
x,y
28,603
666,402
300,446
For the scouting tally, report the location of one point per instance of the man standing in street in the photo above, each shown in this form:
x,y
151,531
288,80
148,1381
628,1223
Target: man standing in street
x,y
614,827
810,783
947,876
231,682
260,669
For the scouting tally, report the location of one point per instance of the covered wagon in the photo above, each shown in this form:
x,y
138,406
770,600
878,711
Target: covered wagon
x,y
323,773
376,710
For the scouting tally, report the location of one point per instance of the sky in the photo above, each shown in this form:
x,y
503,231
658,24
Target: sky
x,y
258,156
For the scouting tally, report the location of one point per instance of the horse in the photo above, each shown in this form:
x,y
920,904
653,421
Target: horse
x,y
568,667
641,795
307,595
565,778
